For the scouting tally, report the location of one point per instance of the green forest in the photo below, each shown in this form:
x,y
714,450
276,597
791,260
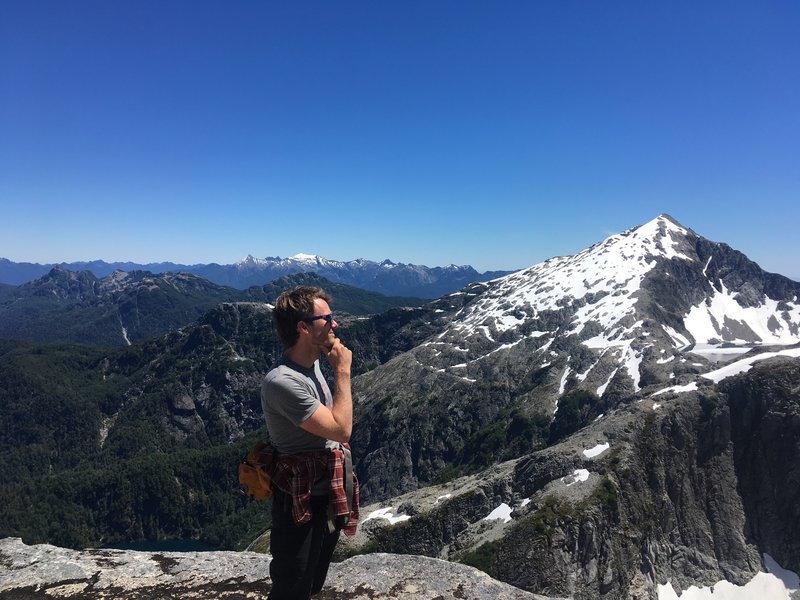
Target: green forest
x,y
108,445
63,484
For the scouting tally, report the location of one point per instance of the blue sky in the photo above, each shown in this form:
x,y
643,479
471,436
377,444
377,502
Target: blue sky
x,y
492,134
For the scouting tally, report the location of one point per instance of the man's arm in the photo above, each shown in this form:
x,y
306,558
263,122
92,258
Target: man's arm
x,y
335,423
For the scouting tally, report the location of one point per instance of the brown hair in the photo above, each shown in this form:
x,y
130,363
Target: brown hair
x,y
291,307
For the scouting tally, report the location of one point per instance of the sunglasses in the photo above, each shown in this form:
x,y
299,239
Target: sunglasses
x,y
328,318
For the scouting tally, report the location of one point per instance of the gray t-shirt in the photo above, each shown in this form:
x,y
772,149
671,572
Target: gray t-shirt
x,y
290,393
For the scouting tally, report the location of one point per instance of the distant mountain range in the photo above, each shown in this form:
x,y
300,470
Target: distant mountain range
x,y
387,277
125,307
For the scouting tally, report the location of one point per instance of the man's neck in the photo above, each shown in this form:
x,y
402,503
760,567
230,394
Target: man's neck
x,y
305,357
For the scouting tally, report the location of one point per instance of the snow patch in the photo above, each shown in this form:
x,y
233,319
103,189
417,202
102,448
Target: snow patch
x,y
597,450
386,513
678,340
602,389
563,384
578,476
501,512
744,365
678,389
776,584
721,317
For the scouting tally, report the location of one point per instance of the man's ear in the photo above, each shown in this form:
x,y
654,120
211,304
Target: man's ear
x,y
302,327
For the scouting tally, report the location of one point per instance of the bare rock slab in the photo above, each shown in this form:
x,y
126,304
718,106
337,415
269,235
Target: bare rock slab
x,y
48,572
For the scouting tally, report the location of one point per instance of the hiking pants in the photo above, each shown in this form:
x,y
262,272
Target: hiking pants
x,y
300,555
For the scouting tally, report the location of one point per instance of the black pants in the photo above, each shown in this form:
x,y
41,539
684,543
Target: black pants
x,y
300,555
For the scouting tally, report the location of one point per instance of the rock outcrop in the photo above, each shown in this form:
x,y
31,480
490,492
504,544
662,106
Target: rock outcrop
x,y
49,572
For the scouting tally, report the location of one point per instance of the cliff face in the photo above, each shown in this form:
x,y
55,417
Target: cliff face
x,y
765,430
688,488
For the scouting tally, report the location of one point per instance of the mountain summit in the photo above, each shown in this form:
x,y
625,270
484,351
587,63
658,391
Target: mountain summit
x,y
630,303
652,307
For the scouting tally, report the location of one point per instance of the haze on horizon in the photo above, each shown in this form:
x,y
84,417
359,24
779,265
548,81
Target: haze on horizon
x,y
427,133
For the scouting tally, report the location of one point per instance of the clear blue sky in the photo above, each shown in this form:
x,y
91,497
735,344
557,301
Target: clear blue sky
x,y
496,134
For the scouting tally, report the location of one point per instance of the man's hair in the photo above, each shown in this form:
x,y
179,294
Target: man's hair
x,y
291,307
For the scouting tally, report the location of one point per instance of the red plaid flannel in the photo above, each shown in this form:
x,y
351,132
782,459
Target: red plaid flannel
x,y
294,474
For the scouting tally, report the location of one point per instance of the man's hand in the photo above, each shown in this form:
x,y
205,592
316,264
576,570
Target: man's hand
x,y
340,357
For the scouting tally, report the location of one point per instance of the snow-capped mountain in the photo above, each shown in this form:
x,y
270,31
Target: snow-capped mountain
x,y
619,423
635,301
653,307
386,277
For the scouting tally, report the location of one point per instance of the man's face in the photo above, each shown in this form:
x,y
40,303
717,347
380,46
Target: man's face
x,y
322,332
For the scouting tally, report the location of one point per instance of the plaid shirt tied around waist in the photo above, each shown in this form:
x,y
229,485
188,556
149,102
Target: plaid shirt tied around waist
x,y
295,474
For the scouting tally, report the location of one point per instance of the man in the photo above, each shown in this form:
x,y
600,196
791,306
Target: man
x,y
308,428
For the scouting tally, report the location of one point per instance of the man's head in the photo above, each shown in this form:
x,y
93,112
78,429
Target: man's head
x,y
296,309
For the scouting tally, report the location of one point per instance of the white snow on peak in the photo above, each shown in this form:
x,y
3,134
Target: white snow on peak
x,y
723,318
300,257
611,271
602,281
603,284
252,261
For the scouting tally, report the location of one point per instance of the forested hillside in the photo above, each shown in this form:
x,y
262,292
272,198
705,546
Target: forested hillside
x,y
122,308
102,447
107,445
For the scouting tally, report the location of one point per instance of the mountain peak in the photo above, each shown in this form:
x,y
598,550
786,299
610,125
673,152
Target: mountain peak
x,y
302,257
641,297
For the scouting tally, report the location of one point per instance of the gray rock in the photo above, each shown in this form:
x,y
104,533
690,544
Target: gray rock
x,y
48,572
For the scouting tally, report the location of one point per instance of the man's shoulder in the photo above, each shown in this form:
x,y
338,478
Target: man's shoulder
x,y
282,379
280,373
